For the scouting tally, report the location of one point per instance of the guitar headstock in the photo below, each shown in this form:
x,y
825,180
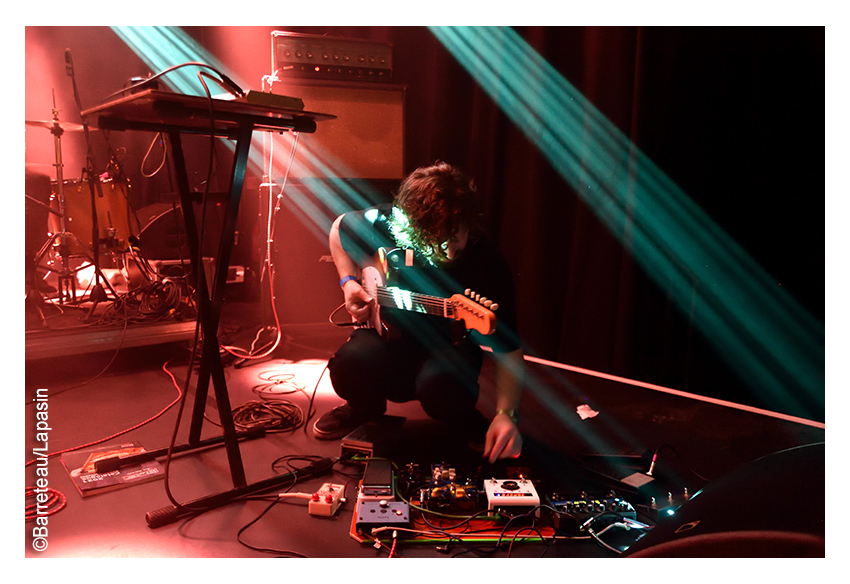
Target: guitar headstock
x,y
477,313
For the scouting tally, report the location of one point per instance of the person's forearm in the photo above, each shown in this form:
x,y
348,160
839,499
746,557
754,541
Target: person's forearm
x,y
503,439
510,379
345,266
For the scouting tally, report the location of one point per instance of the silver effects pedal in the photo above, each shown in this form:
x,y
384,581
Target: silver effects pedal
x,y
511,494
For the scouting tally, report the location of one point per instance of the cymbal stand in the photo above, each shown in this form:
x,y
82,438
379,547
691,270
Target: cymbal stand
x,y
66,278
67,282
98,294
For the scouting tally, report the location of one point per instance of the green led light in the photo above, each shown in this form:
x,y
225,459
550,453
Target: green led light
x,y
399,226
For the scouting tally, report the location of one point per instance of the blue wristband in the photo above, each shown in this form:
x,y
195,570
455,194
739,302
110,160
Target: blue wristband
x,y
346,279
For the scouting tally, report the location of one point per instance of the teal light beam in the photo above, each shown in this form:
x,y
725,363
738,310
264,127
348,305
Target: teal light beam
x,y
755,325
161,47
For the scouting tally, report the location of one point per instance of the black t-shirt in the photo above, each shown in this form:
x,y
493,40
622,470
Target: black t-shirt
x,y
479,267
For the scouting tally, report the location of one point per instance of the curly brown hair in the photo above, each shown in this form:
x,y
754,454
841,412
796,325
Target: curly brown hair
x,y
438,201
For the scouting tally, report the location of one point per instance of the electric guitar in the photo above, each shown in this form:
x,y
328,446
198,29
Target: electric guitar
x,y
475,312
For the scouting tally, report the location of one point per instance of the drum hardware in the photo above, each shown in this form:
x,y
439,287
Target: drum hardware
x,y
112,210
98,294
67,288
62,238
40,204
54,124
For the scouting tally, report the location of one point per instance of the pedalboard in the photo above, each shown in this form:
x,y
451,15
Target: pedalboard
x,y
511,494
326,501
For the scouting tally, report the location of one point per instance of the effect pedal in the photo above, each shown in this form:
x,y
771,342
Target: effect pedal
x,y
371,514
511,494
326,501
579,509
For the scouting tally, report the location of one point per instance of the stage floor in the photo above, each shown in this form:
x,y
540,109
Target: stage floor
x,y
582,433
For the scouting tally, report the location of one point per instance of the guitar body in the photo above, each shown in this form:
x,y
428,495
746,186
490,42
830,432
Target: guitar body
x,y
371,280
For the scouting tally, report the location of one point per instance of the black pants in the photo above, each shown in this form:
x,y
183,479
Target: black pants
x,y
367,371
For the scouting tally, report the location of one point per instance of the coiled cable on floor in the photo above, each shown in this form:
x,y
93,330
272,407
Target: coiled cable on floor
x,y
276,416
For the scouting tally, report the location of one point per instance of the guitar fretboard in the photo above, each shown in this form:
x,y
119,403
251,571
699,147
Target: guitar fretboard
x,y
392,297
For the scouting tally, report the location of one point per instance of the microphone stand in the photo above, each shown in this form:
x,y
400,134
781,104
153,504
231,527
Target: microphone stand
x,y
98,294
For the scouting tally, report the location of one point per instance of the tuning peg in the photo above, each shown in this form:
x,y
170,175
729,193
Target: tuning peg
x,y
488,303
467,292
494,307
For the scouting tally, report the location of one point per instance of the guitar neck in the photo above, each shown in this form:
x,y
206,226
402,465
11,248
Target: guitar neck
x,y
392,297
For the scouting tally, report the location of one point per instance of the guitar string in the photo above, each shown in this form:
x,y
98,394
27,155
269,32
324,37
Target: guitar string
x,y
435,304
424,300
387,291
420,298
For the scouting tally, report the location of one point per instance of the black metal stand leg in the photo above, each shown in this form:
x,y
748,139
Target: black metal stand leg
x,y
211,367
209,305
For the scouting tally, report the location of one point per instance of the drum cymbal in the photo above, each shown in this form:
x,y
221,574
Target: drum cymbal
x,y
50,124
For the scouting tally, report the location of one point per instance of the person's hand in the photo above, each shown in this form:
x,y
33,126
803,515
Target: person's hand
x,y
503,439
357,302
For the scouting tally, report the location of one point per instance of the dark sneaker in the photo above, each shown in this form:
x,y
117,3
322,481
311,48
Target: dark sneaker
x,y
337,423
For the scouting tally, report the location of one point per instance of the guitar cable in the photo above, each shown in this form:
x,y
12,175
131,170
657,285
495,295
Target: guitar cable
x,y
341,324
268,268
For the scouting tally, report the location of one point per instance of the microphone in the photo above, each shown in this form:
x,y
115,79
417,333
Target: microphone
x,y
69,69
69,63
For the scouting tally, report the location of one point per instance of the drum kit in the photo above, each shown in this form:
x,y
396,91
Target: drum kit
x,y
88,222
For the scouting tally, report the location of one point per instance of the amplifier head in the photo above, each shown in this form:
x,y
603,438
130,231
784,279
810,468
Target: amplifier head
x,y
323,57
